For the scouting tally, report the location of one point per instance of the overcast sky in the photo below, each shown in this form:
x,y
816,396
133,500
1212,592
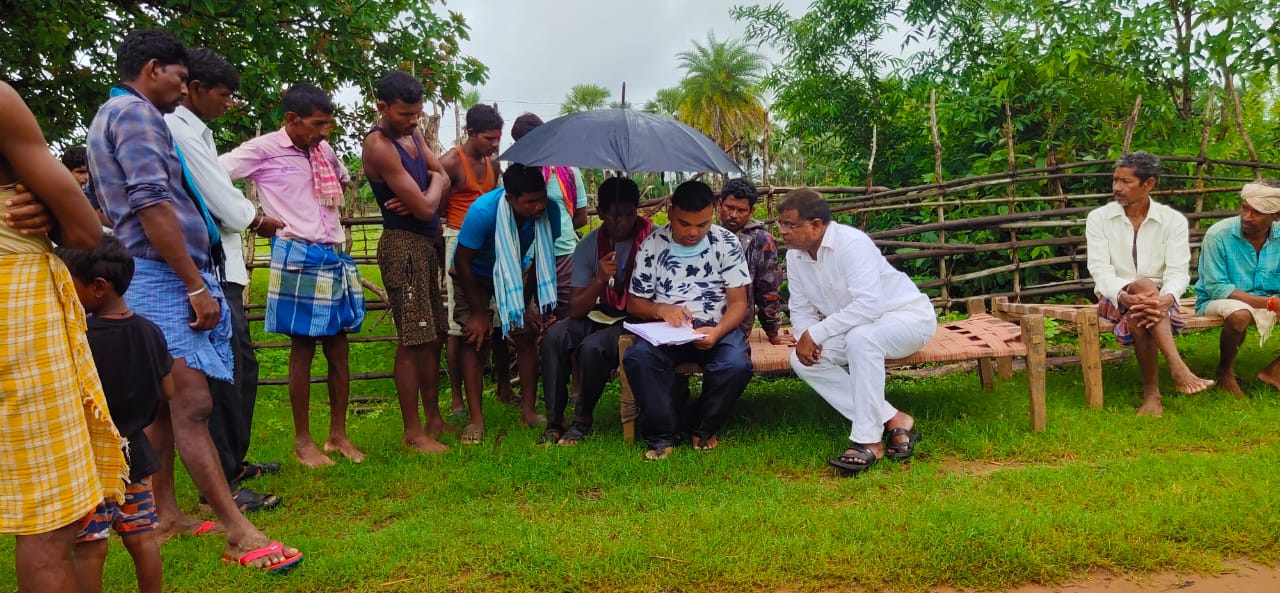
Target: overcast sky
x,y
604,42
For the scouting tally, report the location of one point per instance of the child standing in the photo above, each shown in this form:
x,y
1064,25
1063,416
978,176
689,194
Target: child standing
x,y
133,363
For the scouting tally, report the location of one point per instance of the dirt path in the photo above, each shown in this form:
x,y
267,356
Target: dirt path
x,y
1238,577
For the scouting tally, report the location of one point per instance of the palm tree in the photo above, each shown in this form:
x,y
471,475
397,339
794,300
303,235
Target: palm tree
x,y
585,97
721,89
665,102
468,99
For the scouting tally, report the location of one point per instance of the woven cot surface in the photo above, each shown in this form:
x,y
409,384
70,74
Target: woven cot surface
x,y
979,336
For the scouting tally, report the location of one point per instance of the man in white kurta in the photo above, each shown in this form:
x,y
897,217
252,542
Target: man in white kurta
x,y
850,308
1139,260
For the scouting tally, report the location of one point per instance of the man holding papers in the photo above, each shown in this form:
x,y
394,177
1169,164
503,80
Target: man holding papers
x,y
851,308
689,273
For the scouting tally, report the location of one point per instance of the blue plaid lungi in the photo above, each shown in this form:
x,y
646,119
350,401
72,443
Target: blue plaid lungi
x,y
158,294
314,290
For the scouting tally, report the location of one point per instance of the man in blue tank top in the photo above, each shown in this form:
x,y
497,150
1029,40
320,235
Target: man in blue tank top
x,y
408,182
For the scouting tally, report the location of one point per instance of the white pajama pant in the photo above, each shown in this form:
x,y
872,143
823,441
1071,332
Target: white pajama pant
x,y
857,392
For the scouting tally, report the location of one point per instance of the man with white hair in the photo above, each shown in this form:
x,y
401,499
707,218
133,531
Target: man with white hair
x,y
1240,278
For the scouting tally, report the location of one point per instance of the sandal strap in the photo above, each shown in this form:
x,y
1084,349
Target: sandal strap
x,y
864,455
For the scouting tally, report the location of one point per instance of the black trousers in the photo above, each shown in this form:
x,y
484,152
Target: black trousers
x,y
232,418
596,347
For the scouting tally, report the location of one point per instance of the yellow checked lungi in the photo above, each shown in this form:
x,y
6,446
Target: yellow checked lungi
x,y
60,454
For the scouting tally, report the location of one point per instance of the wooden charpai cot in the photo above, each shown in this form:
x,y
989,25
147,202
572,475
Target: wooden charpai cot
x,y
980,337
1089,327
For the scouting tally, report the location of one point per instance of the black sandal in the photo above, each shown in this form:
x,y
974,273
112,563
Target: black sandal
x,y
257,470
249,501
861,460
898,450
550,436
576,434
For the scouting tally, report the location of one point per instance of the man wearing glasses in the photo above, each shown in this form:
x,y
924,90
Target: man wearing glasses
x,y
850,308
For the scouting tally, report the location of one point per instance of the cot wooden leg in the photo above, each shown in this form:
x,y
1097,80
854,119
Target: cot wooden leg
x,y
1033,339
626,399
1090,357
1004,364
986,370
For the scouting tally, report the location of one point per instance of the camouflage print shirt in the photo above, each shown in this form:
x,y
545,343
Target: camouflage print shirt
x,y
766,278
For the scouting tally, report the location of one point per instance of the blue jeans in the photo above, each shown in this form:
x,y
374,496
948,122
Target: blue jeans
x,y
726,370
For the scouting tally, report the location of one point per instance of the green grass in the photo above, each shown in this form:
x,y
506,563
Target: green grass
x,y
986,504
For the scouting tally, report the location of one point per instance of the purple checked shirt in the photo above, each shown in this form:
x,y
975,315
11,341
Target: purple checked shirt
x,y
134,166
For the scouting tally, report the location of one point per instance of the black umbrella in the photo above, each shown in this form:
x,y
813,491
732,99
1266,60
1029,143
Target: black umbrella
x,y
620,140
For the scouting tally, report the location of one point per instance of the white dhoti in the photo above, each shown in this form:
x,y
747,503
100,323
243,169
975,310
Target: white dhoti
x,y
1265,320
858,391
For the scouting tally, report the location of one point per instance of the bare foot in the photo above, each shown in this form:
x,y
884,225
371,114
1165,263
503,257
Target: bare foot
x,y
532,419
307,454
1228,383
472,434
343,446
425,444
706,445
1190,384
1269,379
238,549
184,525
1151,406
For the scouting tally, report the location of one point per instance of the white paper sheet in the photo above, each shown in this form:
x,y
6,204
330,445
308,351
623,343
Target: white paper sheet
x,y
661,333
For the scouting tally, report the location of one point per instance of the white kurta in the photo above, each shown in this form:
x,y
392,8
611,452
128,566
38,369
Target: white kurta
x,y
861,311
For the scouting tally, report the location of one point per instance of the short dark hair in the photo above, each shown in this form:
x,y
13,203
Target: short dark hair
x,y
741,189
109,261
617,190
400,86
483,118
693,196
521,179
524,124
305,99
142,46
807,203
211,69
75,157
1144,164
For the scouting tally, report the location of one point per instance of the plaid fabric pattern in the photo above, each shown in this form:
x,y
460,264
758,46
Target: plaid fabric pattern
x,y
1120,317
158,294
314,290
60,454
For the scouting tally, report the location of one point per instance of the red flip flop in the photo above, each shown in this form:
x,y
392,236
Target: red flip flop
x,y
274,547
205,528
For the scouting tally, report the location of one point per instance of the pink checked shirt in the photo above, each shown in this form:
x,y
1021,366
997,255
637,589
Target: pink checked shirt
x,y
283,174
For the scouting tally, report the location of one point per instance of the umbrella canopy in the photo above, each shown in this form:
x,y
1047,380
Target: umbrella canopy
x,y
620,140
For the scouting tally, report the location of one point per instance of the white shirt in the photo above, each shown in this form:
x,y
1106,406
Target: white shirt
x,y
228,206
850,284
1163,253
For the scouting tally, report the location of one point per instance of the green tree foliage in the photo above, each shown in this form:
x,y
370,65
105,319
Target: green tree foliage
x,y
1069,71
665,102
585,97
60,55
721,93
